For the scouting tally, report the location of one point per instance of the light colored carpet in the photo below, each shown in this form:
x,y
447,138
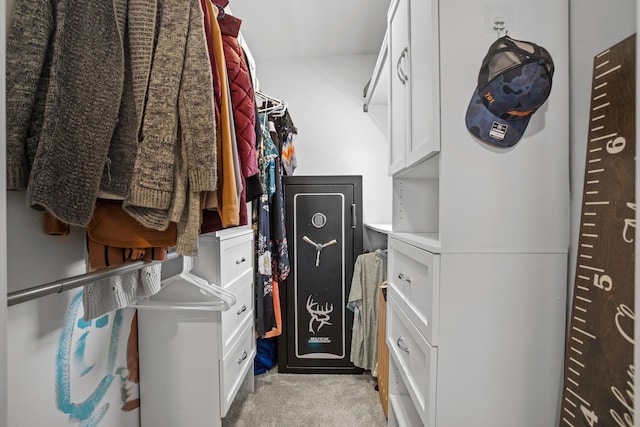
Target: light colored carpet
x,y
309,400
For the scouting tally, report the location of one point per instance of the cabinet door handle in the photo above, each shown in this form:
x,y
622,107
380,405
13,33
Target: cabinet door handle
x,y
240,261
398,72
241,310
404,277
401,74
402,346
243,357
405,56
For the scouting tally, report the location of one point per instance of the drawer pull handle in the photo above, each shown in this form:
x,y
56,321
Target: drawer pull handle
x,y
404,277
244,356
402,346
240,261
241,310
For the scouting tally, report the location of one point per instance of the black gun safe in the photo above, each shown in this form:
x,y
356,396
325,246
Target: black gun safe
x,y
324,234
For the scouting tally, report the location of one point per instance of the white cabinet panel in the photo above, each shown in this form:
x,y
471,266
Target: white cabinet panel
x,y
500,322
225,255
414,124
236,258
234,318
424,93
236,364
398,93
415,360
414,276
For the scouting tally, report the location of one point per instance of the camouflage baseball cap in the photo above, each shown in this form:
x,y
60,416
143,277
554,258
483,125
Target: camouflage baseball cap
x,y
514,81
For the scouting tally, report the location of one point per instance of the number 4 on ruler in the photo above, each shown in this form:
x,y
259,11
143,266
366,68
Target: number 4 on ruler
x,y
590,416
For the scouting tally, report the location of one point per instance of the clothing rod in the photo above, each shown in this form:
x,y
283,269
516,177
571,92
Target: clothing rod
x,y
377,72
67,284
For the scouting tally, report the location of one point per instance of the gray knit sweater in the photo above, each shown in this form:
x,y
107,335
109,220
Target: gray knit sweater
x,y
92,106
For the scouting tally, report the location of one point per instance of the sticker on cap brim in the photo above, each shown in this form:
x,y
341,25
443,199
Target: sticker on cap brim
x,y
498,130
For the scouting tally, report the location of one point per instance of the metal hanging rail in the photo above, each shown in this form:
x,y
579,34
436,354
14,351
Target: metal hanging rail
x,y
378,69
67,284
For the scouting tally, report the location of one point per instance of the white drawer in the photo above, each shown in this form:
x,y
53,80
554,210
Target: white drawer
x,y
414,275
236,258
415,360
224,256
234,318
235,365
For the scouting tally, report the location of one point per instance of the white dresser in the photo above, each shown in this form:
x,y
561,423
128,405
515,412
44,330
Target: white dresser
x,y
474,338
478,248
193,362
226,259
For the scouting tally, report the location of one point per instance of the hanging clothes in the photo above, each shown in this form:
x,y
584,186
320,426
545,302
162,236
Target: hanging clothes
x,y
280,258
242,118
178,112
287,133
128,114
226,198
207,11
265,319
271,231
120,291
265,315
280,267
57,153
122,106
370,270
243,103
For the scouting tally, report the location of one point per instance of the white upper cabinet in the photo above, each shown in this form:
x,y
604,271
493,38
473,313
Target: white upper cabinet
x,y
414,125
398,86
451,190
424,81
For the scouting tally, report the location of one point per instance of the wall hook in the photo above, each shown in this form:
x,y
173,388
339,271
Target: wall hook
x,y
499,25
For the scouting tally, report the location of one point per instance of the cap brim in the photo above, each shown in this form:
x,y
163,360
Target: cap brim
x,y
488,127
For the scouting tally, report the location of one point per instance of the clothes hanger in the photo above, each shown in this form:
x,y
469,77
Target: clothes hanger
x,y
187,291
383,252
219,8
278,107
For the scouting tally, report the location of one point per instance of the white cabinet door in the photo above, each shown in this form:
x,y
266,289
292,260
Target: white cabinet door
x,y
424,84
399,75
414,122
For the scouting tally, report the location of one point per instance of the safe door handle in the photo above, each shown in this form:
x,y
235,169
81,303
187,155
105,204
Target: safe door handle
x,y
241,309
243,357
401,345
240,261
404,277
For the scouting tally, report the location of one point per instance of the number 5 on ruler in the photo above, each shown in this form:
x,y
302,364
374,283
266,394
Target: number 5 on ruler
x,y
603,282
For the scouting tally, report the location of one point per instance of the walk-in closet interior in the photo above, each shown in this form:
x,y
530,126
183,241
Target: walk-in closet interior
x,y
318,213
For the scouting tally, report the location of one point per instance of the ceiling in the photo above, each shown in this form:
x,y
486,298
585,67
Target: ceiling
x,y
295,28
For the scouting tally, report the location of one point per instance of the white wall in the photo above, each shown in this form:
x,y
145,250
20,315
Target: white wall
x,y
335,136
65,372
74,372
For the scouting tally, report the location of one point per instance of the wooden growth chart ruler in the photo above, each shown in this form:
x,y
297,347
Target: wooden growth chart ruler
x,y
599,372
